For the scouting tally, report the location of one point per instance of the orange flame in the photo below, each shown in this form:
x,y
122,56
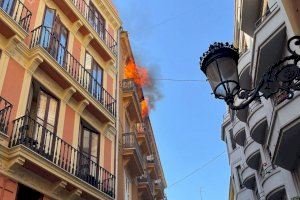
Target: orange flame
x,y
145,107
139,75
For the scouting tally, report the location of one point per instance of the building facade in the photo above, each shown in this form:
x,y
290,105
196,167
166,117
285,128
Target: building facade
x,y
58,104
140,174
263,140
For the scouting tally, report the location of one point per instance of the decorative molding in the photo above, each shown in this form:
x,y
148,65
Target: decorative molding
x,y
15,163
34,63
87,39
12,45
110,132
111,65
59,187
76,26
68,93
75,195
82,105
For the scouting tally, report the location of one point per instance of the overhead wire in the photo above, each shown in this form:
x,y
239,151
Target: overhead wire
x,y
197,170
179,80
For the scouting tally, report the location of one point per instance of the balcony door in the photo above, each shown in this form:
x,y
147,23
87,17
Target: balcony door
x,y
89,142
8,6
97,20
57,36
128,187
96,79
43,111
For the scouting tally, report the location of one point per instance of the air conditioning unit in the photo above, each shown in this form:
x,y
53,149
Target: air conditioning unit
x,y
150,158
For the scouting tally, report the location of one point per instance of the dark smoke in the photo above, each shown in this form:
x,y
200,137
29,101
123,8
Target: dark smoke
x,y
153,90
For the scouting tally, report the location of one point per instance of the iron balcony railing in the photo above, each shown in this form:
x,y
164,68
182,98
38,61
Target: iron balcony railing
x,y
265,16
43,36
146,179
128,85
267,170
130,142
154,162
5,111
17,11
97,25
141,128
36,137
159,184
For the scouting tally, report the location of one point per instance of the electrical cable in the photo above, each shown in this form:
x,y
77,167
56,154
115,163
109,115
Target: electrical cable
x,y
179,80
196,170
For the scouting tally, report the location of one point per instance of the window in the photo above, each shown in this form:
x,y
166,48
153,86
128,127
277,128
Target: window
x,y
239,172
297,173
54,36
127,188
42,108
97,20
233,143
95,82
8,6
25,193
89,145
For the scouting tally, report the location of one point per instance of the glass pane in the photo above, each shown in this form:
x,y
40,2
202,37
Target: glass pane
x,y
48,19
86,141
213,75
41,108
62,48
52,114
7,5
99,75
94,147
88,62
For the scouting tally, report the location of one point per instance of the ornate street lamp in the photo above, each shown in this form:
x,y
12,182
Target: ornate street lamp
x,y
220,65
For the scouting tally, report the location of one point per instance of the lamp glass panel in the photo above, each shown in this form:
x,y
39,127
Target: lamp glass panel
x,y
213,75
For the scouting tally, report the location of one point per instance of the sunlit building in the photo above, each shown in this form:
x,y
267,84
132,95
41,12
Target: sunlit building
x,y
263,140
140,173
58,105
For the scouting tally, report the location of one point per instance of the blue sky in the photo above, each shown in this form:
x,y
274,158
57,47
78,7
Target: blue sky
x,y
169,36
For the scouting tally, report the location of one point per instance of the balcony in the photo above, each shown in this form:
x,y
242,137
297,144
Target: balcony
x,y
248,176
252,153
250,13
143,137
63,67
132,97
15,18
153,166
132,154
257,122
146,187
159,189
63,161
239,133
244,194
244,67
287,151
102,41
270,34
5,111
271,182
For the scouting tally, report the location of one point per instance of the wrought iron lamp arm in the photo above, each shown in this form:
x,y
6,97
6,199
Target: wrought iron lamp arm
x,y
278,77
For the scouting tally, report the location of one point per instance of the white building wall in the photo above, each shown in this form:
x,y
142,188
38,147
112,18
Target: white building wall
x,y
269,178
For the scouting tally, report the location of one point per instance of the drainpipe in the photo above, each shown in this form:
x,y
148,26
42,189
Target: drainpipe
x,y
117,115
